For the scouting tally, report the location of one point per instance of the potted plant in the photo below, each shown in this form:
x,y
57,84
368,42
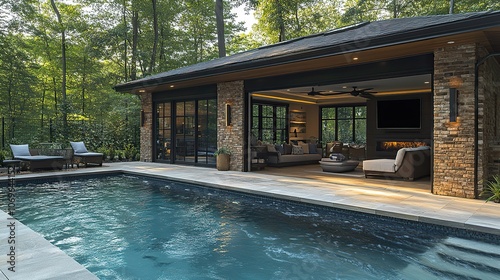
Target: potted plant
x,y
492,190
223,156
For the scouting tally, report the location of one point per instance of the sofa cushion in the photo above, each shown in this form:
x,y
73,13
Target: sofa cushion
x,y
287,148
401,154
380,165
280,149
297,150
271,148
399,158
313,149
299,158
305,147
79,147
20,150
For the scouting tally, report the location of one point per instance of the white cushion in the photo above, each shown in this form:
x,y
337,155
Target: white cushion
x,y
78,147
380,165
399,158
20,150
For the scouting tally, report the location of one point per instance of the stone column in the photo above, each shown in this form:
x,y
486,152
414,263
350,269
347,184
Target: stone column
x,y
232,136
454,141
147,127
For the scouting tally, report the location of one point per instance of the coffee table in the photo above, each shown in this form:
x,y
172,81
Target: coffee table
x,y
329,165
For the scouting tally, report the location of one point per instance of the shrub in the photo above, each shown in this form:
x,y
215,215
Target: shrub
x,y
492,190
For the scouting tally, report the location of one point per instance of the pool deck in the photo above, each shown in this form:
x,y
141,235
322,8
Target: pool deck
x,y
392,198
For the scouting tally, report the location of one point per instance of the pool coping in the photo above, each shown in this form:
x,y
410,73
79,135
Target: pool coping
x,y
41,254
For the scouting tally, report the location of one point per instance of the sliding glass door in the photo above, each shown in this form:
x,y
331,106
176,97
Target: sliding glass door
x,y
186,131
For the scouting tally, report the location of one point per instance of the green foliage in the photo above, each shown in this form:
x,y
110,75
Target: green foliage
x,y
4,154
130,152
492,190
222,151
109,42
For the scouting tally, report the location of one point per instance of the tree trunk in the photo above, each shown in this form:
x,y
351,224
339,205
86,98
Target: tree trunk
x,y
135,39
155,40
84,81
281,22
219,16
452,6
63,66
125,43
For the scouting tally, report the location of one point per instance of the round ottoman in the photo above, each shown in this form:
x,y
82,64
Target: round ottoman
x,y
329,165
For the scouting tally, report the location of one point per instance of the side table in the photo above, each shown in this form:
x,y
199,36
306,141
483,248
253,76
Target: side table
x,y
12,165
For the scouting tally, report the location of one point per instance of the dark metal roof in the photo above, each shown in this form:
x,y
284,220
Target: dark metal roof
x,y
362,36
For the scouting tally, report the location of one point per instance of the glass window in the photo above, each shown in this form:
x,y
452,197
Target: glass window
x,y
164,132
346,124
269,123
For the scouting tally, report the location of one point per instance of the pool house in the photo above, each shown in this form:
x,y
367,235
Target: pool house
x,y
347,85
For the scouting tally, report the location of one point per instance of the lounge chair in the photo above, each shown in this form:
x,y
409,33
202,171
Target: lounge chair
x,y
82,155
410,163
22,153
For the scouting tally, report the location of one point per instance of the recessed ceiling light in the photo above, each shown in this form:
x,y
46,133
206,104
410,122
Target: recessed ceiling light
x,y
171,86
344,87
451,42
355,58
426,82
142,90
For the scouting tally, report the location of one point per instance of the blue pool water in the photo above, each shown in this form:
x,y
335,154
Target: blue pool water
x,y
125,227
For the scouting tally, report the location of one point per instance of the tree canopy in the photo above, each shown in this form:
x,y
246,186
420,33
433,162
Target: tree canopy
x,y
59,59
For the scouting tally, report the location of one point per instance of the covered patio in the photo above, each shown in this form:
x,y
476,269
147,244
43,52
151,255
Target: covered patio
x,y
429,60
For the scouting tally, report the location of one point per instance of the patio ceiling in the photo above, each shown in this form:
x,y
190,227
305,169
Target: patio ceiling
x,y
382,87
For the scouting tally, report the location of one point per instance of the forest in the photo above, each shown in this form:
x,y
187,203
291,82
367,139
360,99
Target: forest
x,y
60,59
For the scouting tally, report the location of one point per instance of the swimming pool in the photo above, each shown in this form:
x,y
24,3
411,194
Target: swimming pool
x,y
127,227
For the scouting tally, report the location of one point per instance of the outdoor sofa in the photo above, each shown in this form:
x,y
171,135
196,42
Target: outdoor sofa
x,y
22,153
82,155
288,154
410,163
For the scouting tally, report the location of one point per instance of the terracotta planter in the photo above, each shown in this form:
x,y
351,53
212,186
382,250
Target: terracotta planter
x,y
223,162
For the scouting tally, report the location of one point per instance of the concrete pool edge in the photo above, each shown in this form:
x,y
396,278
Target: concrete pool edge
x,y
25,254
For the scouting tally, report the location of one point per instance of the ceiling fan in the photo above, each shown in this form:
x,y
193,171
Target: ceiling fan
x,y
365,93
313,92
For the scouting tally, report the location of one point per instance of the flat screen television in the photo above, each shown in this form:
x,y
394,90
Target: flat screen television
x,y
399,114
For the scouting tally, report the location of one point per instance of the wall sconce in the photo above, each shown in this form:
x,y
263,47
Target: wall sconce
x,y
228,115
453,104
143,118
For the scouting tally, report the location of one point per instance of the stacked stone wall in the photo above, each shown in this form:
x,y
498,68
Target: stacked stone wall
x,y
232,136
147,127
454,141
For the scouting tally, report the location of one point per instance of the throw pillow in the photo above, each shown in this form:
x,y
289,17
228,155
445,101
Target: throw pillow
x,y
280,149
271,148
312,148
79,147
288,149
305,147
297,150
20,150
